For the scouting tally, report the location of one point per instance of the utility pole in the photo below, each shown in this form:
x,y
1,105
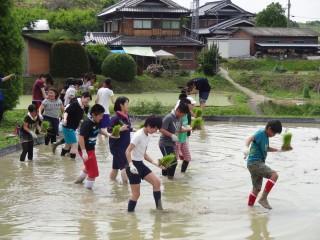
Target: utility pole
x,y
195,19
289,8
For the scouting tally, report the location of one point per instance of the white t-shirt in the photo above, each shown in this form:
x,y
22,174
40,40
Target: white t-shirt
x,y
70,93
104,95
140,140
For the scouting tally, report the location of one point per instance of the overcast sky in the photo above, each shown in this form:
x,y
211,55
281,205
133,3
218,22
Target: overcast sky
x,y
304,10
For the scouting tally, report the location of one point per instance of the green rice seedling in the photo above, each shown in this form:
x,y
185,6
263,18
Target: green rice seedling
x,y
168,160
286,141
45,126
116,131
197,123
198,112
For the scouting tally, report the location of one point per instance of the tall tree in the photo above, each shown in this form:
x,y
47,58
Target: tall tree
x,y
272,16
11,47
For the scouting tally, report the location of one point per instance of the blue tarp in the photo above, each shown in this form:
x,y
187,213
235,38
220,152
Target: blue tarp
x,y
118,51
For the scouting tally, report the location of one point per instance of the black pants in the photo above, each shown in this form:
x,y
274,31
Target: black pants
x,y
53,130
27,147
166,150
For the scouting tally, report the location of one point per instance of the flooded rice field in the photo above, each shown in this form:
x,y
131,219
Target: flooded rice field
x,y
38,200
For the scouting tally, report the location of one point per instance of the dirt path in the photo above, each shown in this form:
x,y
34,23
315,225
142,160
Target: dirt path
x,y
255,98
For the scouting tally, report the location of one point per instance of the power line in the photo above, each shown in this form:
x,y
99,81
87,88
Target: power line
x,y
295,16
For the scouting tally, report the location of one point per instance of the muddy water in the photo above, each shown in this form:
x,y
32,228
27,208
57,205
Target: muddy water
x,y
38,199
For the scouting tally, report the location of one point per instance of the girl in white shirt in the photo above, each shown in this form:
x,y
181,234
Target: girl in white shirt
x,y
104,96
137,170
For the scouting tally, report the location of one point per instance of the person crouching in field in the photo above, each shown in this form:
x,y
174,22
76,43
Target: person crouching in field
x,y
89,131
52,108
137,170
171,125
256,158
118,146
31,125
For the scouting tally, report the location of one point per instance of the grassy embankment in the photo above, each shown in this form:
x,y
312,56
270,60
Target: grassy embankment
x,y
263,77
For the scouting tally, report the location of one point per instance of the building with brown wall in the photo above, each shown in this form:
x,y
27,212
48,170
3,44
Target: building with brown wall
x,y
154,24
36,55
289,41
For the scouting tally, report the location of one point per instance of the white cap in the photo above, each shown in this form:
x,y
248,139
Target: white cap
x,y
193,102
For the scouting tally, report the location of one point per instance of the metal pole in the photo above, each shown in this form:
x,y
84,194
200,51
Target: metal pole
x,y
289,9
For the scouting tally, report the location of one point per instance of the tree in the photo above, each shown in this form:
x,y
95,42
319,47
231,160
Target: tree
x,y
208,60
97,54
11,47
272,16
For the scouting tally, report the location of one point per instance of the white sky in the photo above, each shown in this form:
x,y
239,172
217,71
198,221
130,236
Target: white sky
x,y
304,10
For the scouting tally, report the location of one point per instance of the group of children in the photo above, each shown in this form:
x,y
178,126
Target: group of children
x,y
129,151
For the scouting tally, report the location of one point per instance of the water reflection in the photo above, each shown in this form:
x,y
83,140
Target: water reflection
x,y
259,226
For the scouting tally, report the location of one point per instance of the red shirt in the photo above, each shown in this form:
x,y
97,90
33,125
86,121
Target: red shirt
x,y
36,90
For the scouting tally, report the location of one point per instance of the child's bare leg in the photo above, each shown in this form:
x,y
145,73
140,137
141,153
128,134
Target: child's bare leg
x,y
135,194
269,185
124,176
113,174
155,182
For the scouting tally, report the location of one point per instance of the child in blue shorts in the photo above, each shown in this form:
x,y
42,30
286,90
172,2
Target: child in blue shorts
x,y
137,170
256,158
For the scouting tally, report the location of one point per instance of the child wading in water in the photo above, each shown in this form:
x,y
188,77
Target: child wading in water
x,y
53,108
171,125
31,124
136,153
118,146
182,146
89,131
256,158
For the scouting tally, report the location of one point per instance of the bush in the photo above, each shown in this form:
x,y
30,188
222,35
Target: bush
x,y
120,67
155,70
170,64
279,69
96,54
149,107
208,69
306,91
11,48
208,60
68,59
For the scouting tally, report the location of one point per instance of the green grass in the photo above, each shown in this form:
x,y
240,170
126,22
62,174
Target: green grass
x,y
8,125
269,64
278,85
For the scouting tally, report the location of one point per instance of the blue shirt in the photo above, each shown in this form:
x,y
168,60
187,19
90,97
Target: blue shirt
x,y
259,147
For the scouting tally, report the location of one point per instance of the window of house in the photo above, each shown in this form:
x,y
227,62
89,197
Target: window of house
x,y
167,24
115,26
108,26
142,24
184,55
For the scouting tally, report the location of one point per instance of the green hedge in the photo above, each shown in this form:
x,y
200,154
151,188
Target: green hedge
x,y
11,47
97,54
68,59
120,67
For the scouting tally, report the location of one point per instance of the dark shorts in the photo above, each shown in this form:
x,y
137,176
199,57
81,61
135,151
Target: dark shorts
x,y
105,122
54,129
203,97
119,160
166,150
143,171
258,171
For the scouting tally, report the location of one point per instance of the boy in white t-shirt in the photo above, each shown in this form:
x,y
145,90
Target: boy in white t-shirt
x,y
136,153
104,95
